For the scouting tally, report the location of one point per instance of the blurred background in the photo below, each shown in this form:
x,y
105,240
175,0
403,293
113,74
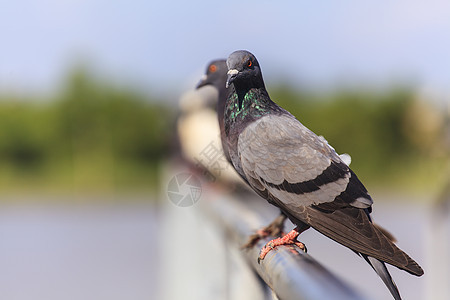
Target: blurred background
x,y
89,101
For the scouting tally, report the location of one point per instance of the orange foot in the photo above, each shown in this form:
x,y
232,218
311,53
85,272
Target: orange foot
x,y
288,239
273,229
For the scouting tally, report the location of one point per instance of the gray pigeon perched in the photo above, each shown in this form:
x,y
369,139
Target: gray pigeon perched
x,y
297,171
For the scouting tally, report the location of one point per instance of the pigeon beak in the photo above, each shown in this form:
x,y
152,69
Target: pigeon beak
x,y
204,81
231,76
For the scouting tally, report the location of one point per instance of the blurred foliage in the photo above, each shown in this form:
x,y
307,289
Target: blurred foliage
x,y
395,140
95,137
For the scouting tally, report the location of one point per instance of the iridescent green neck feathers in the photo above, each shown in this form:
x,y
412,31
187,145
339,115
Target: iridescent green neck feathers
x,y
254,103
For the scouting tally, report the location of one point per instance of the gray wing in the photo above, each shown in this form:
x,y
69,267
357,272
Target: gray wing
x,y
280,155
300,173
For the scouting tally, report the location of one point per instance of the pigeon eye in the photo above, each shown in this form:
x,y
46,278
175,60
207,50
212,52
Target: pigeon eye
x,y
249,64
212,68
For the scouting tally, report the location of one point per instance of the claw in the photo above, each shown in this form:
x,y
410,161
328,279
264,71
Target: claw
x,y
288,239
302,246
273,229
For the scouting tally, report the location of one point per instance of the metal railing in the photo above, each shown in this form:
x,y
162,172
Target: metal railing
x,y
288,271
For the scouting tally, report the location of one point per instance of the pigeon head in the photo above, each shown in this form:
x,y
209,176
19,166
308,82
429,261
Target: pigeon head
x,y
244,71
216,74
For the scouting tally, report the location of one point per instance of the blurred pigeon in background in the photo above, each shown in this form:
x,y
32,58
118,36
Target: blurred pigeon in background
x,y
198,128
216,76
297,171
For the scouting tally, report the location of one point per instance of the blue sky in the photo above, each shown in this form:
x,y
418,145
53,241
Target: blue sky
x,y
164,45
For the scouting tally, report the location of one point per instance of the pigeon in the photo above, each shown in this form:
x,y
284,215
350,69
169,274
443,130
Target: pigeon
x,y
197,108
216,76
294,169
199,132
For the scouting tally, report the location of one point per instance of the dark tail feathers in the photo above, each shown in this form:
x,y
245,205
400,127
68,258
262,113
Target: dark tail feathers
x,y
383,272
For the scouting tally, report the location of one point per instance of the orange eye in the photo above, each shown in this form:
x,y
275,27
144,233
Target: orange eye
x,y
212,68
249,64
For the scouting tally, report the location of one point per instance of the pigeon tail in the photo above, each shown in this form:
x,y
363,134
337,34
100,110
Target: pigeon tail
x,y
382,271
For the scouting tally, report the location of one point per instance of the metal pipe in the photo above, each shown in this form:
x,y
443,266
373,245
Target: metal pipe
x,y
288,271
